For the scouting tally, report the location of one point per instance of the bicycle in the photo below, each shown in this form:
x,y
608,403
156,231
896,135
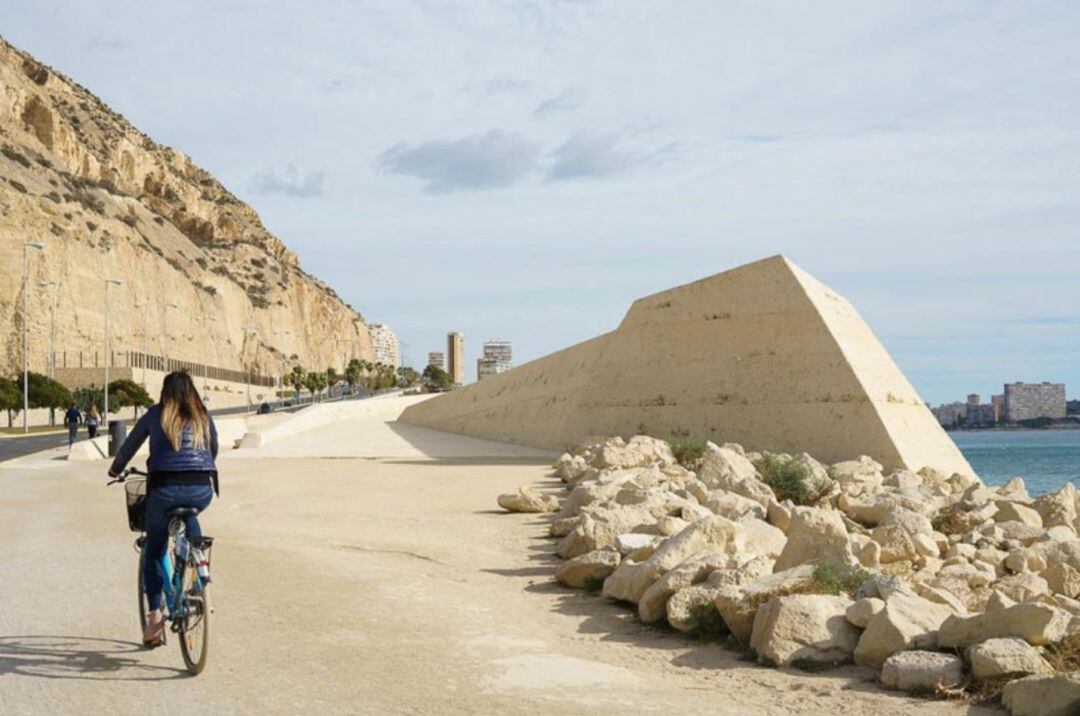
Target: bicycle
x,y
186,603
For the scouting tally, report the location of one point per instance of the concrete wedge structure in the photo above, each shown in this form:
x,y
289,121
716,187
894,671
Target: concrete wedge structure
x,y
764,355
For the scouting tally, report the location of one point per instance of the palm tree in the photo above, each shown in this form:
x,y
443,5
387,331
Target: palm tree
x,y
296,379
353,372
311,382
365,373
332,379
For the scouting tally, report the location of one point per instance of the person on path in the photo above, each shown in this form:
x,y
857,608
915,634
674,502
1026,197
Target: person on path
x,y
72,418
93,417
182,473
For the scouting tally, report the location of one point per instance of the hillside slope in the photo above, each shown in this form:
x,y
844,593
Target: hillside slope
x,y
107,201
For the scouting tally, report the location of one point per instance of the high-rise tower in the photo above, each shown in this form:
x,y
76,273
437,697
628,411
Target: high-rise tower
x,y
455,357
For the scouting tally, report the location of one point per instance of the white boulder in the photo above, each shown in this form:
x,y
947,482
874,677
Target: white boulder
x,y
1057,695
804,627
1038,624
589,570
528,499
921,671
815,536
1006,657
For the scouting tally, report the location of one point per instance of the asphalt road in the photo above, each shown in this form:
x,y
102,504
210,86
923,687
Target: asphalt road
x,y
17,447
11,448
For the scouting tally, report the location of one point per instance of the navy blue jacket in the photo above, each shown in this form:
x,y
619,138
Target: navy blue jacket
x,y
163,458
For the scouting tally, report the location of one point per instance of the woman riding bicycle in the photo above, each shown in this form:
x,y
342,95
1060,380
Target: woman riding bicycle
x,y
183,446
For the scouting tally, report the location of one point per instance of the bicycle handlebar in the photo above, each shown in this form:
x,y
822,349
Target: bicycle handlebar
x,y
124,475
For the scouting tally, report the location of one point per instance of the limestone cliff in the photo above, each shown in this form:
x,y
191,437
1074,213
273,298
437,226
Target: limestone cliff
x,y
108,202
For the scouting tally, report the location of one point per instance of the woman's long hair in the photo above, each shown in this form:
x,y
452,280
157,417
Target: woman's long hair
x,y
181,407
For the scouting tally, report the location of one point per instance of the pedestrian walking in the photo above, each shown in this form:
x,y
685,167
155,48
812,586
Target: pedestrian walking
x,y
93,417
72,418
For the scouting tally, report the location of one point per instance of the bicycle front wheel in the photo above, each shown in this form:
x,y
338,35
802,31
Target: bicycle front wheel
x,y
195,624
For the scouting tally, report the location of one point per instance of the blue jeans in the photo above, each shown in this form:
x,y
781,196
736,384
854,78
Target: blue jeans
x,y
160,500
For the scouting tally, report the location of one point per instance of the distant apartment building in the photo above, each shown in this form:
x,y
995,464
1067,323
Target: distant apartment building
x,y
998,403
455,357
950,415
498,358
973,399
1028,401
979,415
498,350
437,359
385,343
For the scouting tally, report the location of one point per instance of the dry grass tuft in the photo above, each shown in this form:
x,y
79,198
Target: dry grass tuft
x,y
1065,656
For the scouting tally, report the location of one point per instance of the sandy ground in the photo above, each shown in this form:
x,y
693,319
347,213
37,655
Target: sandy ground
x,y
358,584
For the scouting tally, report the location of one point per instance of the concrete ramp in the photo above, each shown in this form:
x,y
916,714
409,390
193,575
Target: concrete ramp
x,y
370,429
764,355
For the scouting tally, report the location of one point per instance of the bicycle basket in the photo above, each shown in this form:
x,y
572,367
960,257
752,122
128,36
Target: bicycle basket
x,y
135,492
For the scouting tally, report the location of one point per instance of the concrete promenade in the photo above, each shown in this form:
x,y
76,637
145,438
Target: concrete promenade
x,y
360,567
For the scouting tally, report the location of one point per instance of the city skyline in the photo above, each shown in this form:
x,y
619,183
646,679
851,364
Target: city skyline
x,y
537,201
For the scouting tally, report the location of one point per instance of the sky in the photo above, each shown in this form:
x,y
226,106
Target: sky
x,y
526,169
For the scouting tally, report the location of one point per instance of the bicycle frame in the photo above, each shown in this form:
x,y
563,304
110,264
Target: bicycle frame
x,y
174,590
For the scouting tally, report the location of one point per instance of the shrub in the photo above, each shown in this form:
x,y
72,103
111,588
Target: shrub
x,y
832,578
791,480
688,451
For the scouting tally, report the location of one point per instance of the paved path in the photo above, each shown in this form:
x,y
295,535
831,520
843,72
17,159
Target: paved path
x,y
357,585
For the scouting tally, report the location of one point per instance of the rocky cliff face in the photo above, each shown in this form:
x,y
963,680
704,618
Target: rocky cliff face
x,y
108,202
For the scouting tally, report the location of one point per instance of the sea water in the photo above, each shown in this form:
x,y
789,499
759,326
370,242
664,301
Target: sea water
x,y
1046,459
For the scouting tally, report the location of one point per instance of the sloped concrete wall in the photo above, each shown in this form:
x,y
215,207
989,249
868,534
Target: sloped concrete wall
x,y
763,355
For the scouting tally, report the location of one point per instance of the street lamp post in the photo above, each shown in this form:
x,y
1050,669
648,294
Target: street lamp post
x,y
168,338
255,331
281,371
52,337
108,353
141,308
27,245
206,329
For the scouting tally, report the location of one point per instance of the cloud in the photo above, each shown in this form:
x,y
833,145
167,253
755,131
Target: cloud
x,y
335,84
566,101
287,180
100,43
1049,320
591,155
479,161
760,138
497,86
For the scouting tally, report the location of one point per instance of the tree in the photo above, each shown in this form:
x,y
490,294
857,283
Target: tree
x,y
361,368
331,377
85,397
353,372
296,379
407,376
10,399
128,392
315,381
436,377
385,375
45,392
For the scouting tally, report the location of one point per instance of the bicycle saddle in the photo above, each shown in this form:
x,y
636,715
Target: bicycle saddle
x,y
181,512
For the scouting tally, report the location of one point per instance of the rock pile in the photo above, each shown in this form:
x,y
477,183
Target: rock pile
x,y
939,582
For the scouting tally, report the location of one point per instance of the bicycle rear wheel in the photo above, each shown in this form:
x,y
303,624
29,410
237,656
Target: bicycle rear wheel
x,y
195,624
